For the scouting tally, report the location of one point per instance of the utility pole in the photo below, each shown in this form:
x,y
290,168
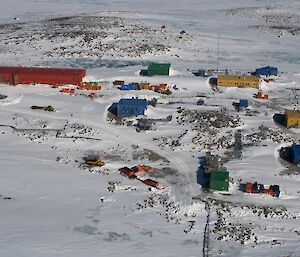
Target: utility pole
x,y
218,52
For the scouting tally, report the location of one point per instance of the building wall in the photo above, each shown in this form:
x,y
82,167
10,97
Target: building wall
x,y
219,180
238,81
295,154
131,107
158,69
292,118
267,71
31,75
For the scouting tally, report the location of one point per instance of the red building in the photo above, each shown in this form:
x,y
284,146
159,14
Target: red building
x,y
32,75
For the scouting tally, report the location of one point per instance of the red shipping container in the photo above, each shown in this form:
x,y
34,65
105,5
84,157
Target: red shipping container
x,y
266,97
118,82
33,75
70,91
153,87
151,183
248,187
88,87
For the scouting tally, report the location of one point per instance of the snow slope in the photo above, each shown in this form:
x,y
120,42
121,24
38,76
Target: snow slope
x,y
52,205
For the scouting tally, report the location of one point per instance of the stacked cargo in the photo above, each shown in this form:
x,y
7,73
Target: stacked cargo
x,y
90,86
134,172
255,188
144,85
130,86
118,82
70,91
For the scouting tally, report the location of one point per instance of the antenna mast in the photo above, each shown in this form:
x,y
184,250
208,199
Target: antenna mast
x,y
218,53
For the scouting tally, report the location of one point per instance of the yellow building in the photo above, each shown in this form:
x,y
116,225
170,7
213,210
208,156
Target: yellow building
x,y
238,81
292,118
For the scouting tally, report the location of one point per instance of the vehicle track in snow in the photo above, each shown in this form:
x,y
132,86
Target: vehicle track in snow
x,y
184,194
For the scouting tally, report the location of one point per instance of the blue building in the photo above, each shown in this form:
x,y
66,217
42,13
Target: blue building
x,y
202,176
131,107
295,154
267,71
291,154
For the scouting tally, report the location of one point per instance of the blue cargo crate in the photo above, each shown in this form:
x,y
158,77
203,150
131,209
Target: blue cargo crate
x,y
244,103
242,187
128,87
275,189
261,188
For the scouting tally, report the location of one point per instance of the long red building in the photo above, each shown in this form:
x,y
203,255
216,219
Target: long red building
x,y
33,75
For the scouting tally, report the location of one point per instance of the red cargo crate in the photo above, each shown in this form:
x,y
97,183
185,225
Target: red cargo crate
x,y
118,82
249,187
70,91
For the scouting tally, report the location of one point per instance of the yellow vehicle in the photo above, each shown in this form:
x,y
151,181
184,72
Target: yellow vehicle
x,y
99,163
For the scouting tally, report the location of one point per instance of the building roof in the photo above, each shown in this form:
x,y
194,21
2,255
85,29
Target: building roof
x,y
266,68
159,65
53,71
158,69
292,112
133,101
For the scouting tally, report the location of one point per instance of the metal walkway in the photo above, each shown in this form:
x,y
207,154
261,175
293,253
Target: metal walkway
x,y
205,249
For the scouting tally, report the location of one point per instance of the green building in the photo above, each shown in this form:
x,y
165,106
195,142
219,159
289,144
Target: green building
x,y
158,69
219,180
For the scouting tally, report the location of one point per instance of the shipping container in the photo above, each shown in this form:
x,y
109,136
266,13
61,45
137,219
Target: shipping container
x,y
153,87
70,91
33,75
129,87
118,82
89,87
150,182
144,85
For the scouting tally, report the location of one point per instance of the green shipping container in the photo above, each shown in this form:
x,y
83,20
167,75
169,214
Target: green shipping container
x,y
158,69
219,180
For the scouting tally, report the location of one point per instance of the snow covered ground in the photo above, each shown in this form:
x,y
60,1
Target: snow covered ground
x,y
52,205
